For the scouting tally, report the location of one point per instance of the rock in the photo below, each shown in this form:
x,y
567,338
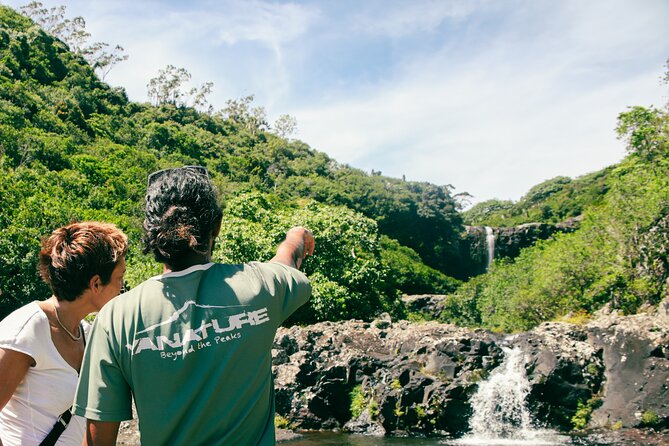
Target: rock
x,y
414,378
286,435
636,369
425,304
508,242
365,424
563,369
419,378
663,310
383,321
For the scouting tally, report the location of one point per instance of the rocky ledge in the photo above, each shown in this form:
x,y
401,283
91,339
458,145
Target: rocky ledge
x,y
398,378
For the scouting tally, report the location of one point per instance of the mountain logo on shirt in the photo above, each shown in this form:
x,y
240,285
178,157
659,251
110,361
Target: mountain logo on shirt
x,y
221,330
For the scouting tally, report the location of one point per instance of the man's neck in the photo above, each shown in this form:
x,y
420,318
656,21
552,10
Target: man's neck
x,y
186,262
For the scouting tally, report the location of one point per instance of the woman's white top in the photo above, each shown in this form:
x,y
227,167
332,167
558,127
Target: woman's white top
x,y
47,389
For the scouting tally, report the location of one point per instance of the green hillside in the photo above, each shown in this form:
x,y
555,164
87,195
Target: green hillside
x,y
618,257
552,201
73,148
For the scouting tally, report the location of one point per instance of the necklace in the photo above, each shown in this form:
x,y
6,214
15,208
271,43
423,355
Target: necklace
x,y
74,338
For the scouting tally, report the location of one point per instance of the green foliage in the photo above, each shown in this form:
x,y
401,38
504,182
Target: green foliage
x,y
420,412
347,273
489,211
358,401
581,418
650,419
580,317
282,422
645,131
617,426
409,274
421,216
552,201
618,256
73,148
477,375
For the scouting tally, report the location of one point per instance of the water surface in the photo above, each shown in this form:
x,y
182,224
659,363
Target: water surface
x,y
333,439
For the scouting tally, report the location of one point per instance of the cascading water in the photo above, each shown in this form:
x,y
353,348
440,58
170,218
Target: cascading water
x,y
490,242
500,416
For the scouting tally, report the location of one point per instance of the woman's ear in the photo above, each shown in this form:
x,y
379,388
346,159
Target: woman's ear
x,y
95,284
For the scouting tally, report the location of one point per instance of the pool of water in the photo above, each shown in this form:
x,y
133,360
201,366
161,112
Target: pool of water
x,y
335,439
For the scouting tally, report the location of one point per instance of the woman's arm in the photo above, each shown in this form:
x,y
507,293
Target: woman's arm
x,y
13,368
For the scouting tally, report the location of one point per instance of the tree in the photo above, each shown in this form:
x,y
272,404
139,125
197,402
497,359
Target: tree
x,y
285,126
73,33
241,112
645,131
347,274
481,213
103,60
167,88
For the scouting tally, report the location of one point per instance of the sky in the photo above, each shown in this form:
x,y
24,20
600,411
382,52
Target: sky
x,y
490,97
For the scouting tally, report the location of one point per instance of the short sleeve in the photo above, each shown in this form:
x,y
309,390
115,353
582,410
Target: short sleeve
x,y
20,329
290,285
103,394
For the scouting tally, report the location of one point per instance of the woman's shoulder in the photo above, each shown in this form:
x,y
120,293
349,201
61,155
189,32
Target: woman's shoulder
x,y
21,328
26,318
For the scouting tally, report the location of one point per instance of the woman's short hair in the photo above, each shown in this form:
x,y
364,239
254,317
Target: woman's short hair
x,y
75,253
181,212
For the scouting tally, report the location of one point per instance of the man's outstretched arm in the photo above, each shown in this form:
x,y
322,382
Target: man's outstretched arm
x,y
299,244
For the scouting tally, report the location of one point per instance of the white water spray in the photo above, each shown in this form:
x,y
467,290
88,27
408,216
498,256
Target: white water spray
x,y
500,416
490,241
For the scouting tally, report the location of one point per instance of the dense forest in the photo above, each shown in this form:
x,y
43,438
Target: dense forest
x,y
74,148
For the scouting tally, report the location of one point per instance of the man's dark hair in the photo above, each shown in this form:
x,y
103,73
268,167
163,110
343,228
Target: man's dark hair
x,y
181,213
75,253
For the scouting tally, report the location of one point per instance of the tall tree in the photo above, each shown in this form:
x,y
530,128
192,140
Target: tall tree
x,y
169,88
285,126
73,33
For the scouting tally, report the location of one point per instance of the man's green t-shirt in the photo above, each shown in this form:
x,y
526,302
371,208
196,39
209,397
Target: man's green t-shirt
x,y
194,349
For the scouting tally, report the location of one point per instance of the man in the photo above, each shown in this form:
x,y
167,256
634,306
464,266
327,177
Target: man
x,y
193,345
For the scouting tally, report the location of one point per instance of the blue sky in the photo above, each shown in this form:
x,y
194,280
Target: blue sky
x,y
489,96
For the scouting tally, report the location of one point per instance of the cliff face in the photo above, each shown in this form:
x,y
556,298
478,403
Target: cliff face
x,y
415,378
385,377
508,241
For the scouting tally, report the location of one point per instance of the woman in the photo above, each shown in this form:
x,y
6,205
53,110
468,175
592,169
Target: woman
x,y
42,343
192,346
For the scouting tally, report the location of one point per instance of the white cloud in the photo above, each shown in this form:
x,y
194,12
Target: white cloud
x,y
491,127
521,109
404,18
271,23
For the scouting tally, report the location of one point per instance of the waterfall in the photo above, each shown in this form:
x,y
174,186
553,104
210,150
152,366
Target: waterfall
x,y
499,405
490,241
500,415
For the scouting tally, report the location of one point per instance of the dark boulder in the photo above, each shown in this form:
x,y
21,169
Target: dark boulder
x,y
414,378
